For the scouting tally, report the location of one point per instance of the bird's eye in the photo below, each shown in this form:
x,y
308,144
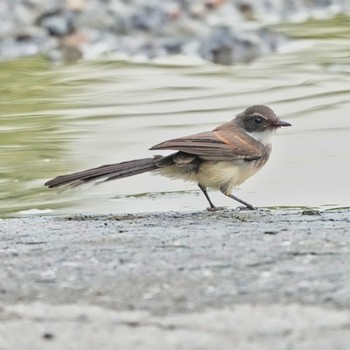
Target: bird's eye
x,y
258,120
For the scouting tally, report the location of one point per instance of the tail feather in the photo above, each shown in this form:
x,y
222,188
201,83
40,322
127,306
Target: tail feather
x,y
109,172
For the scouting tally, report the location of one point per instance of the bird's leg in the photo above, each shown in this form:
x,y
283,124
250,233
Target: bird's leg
x,y
248,206
204,190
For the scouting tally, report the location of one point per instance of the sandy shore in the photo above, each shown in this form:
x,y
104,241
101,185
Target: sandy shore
x,y
271,279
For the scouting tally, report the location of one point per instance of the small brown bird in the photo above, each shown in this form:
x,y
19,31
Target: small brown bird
x,y
220,159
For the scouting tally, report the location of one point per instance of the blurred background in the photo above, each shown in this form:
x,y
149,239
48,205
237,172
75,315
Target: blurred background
x,y
90,82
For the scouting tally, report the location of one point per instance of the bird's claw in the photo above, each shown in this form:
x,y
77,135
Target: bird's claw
x,y
215,208
243,208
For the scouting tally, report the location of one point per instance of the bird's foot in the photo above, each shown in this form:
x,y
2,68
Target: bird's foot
x,y
245,208
215,208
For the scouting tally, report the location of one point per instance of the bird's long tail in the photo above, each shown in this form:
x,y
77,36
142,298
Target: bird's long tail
x,y
109,172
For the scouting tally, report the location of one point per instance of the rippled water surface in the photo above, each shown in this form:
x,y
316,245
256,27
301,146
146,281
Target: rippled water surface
x,y
56,120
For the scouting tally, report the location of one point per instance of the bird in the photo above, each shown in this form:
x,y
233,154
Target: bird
x,y
221,159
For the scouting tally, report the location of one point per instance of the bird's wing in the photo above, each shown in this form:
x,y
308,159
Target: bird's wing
x,y
226,142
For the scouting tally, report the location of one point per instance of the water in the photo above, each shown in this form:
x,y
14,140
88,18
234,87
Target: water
x,y
56,120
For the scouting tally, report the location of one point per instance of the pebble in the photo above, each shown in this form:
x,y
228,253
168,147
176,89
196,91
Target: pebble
x,y
311,212
219,31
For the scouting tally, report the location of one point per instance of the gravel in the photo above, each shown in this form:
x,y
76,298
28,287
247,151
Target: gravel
x,y
222,31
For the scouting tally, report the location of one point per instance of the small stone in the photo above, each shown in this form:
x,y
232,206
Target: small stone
x,y
310,212
270,232
48,336
76,5
56,25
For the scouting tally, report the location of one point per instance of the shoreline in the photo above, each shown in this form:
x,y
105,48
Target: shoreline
x,y
218,278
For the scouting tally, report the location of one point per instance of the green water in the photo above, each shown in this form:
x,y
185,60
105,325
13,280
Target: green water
x,y
56,120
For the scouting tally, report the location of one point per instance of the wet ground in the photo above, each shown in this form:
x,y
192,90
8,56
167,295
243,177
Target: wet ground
x,y
196,280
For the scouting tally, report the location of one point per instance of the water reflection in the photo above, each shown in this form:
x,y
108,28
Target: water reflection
x,y
58,120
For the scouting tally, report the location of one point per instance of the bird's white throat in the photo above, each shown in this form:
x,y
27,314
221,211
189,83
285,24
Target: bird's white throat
x,y
262,136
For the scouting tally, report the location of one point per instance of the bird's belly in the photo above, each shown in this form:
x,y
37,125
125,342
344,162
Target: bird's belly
x,y
216,175
225,175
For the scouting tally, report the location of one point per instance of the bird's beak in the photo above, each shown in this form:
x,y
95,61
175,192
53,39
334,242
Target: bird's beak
x,y
280,124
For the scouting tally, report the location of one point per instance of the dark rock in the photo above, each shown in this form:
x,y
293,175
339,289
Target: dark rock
x,y
227,47
57,25
218,48
311,212
270,232
173,45
48,336
148,18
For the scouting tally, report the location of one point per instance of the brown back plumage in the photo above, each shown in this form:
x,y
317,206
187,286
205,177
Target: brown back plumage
x,y
226,142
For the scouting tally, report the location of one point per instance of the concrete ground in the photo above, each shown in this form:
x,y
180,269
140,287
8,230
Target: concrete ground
x,y
270,279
